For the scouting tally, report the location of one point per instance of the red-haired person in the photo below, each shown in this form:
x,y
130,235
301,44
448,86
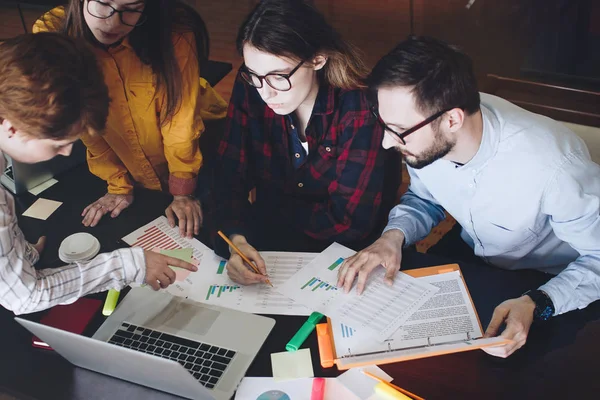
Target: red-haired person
x,y
52,92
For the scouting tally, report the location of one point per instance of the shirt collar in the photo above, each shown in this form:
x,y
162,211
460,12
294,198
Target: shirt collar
x,y
116,47
489,139
325,102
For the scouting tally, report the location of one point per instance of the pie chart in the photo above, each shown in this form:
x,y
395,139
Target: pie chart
x,y
273,395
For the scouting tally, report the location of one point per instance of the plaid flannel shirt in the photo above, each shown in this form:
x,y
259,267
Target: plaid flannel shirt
x,y
334,195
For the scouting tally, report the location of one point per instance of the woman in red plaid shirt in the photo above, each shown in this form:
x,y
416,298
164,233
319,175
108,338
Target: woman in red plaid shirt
x,y
300,132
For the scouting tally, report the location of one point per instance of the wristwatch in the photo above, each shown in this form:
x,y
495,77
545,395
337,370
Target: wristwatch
x,y
544,308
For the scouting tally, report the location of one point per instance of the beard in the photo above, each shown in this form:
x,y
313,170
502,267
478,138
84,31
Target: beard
x,y
440,147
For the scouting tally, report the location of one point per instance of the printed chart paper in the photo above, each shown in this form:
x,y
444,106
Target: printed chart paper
x,y
380,310
210,284
448,319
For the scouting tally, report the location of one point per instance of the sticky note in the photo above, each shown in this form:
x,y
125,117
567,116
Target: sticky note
x,y
181,254
43,186
388,393
42,209
360,384
292,365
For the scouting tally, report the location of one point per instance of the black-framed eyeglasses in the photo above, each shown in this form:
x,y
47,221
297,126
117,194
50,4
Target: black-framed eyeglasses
x,y
276,80
415,128
101,10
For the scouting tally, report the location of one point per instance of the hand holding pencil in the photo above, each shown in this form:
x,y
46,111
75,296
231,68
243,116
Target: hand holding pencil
x,y
243,257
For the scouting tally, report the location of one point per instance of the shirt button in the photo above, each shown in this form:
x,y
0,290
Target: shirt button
x,y
297,155
328,149
470,185
300,184
150,92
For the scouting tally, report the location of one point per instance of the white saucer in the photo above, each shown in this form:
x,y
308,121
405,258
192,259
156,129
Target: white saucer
x,y
78,247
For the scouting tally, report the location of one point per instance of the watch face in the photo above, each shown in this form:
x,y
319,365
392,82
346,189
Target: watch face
x,y
546,313
544,309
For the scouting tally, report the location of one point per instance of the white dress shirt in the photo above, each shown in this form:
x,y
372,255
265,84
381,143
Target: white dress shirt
x,y
23,289
529,198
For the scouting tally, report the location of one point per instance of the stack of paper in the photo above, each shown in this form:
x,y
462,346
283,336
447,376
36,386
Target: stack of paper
x,y
210,284
380,310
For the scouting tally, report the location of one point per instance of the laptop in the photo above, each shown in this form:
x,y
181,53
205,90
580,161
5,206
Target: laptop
x,y
20,177
168,343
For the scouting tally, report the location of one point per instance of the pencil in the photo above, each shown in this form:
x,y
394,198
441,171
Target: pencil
x,y
238,251
398,388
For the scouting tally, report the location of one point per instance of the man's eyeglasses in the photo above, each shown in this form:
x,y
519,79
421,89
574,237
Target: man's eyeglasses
x,y
415,128
102,10
277,81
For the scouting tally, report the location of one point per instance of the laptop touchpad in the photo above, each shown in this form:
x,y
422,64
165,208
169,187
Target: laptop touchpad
x,y
191,318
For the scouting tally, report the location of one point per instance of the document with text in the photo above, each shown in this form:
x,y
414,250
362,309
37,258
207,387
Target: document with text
x,y
446,323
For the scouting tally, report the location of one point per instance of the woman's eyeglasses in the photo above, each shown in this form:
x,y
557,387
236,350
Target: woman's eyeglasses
x,y
277,81
102,10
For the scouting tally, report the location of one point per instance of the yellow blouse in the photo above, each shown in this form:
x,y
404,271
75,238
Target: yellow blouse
x,y
135,148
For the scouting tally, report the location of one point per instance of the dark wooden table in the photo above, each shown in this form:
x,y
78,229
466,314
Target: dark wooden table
x,y
560,360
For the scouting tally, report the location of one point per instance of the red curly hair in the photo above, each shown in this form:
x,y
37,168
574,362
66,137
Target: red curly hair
x,y
51,86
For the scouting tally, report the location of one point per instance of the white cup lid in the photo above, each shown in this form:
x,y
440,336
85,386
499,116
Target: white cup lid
x,y
79,246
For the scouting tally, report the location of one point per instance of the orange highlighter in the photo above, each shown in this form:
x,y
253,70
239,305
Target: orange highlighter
x,y
318,389
325,347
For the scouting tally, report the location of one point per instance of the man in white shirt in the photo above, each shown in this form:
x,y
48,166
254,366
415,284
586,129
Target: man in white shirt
x,y
51,91
522,186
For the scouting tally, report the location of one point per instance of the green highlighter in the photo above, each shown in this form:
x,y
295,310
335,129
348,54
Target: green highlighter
x,y
300,336
111,302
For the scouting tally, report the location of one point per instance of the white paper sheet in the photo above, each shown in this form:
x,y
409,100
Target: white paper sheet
x,y
447,319
210,284
43,186
42,209
380,310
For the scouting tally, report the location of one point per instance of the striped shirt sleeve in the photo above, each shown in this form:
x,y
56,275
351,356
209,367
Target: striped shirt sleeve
x,y
23,289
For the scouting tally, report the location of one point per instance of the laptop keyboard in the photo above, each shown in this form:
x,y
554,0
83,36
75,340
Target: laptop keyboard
x,y
205,362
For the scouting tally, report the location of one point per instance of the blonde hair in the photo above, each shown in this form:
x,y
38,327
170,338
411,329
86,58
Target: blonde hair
x,y
345,69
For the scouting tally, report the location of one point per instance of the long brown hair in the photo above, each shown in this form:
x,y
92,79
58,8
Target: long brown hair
x,y
152,42
51,86
294,28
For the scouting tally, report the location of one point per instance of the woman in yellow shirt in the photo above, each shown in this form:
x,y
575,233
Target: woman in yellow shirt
x,y
149,52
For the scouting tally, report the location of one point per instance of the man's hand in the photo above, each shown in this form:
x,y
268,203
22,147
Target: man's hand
x,y
158,273
109,203
386,251
517,314
238,271
189,215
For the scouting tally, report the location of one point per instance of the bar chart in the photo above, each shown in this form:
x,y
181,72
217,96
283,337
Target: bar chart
x,y
336,264
154,237
347,331
159,235
221,267
218,290
211,284
315,284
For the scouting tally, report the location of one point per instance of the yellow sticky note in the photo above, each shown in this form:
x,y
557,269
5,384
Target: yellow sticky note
x,y
388,393
43,186
42,209
181,254
292,365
